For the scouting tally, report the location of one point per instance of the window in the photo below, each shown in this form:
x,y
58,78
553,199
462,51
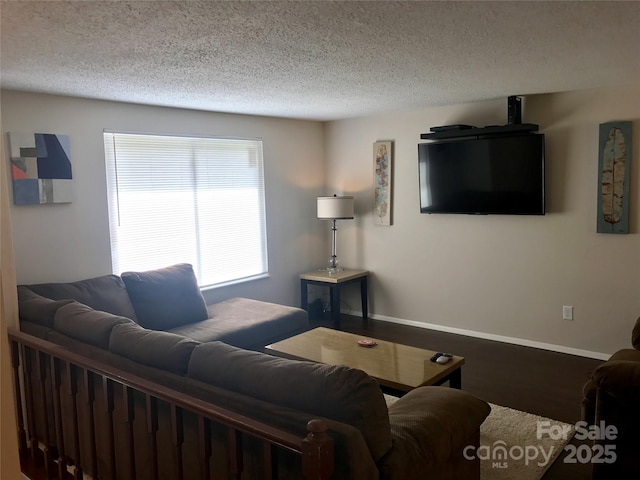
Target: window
x,y
197,200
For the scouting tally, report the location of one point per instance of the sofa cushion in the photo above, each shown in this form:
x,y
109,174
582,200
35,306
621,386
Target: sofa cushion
x,y
336,392
83,323
107,293
244,322
36,308
167,297
163,350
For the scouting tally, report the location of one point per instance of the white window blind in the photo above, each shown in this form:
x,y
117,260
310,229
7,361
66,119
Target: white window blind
x,y
197,200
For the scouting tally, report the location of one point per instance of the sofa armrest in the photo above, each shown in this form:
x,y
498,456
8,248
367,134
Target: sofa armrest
x,y
617,396
431,426
619,379
439,419
635,335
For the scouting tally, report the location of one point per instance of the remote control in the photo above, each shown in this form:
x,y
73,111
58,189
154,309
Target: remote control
x,y
444,358
436,356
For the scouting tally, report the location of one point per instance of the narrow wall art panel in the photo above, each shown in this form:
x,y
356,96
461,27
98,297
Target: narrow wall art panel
x,y
614,167
382,164
40,168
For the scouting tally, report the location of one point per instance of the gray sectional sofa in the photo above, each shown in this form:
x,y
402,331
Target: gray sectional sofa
x,y
157,326
169,299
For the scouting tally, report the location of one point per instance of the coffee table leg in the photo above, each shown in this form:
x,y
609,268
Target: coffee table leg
x,y
455,379
304,299
364,299
335,305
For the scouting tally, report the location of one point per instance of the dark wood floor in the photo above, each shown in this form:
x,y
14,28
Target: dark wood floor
x,y
529,379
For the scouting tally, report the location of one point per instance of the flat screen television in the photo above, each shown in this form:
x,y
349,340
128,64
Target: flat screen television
x,y
501,174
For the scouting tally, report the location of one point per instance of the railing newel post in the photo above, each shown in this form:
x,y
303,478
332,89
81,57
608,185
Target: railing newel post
x,y
317,451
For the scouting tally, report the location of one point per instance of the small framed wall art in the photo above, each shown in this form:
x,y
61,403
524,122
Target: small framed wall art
x,y
614,166
40,168
382,168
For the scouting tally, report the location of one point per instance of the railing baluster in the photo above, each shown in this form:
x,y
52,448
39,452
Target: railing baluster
x,y
73,393
152,428
235,453
54,368
177,435
270,470
129,417
204,445
41,362
31,413
15,362
89,398
107,391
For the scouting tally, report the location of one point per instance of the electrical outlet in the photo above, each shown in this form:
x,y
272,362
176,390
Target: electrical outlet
x,y
567,312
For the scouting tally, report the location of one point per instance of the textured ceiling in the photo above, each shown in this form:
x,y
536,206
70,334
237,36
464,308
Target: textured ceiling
x,y
315,60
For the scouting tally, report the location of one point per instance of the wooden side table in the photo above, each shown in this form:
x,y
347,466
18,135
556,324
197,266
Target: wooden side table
x,y
335,280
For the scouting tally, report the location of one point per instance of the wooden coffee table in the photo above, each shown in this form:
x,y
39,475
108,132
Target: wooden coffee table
x,y
398,368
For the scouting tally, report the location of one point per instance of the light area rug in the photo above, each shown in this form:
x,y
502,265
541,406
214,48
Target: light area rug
x,y
527,456
509,445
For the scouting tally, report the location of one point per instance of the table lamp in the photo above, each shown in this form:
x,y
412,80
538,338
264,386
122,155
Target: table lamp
x,y
335,208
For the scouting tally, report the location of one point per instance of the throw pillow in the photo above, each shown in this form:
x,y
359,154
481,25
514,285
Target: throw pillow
x,y
37,309
166,298
83,323
106,293
163,350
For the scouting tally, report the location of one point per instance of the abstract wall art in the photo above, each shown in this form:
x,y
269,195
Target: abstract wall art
x,y
382,164
614,166
40,168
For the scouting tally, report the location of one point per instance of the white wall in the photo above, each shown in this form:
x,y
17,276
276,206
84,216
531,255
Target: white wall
x,y
66,242
496,275
502,276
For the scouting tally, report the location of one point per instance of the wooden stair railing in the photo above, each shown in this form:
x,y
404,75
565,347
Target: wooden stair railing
x,y
47,447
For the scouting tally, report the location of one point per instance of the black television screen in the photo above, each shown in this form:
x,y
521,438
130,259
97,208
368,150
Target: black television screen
x,y
486,175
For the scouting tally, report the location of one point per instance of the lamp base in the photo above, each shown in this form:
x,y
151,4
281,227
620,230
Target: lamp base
x,y
331,270
333,265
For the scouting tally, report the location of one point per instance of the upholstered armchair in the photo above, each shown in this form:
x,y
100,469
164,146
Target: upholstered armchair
x,y
612,396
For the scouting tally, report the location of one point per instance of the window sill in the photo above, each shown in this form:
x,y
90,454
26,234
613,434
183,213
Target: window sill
x,y
215,286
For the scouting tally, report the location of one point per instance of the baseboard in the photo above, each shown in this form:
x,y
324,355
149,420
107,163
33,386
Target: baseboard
x,y
488,336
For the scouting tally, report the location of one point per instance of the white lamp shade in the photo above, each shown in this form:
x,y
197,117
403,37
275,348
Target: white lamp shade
x,y
335,207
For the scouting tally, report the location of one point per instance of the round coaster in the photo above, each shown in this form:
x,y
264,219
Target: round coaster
x,y
366,343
